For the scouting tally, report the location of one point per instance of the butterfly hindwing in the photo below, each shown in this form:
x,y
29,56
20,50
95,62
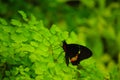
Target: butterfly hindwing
x,y
66,59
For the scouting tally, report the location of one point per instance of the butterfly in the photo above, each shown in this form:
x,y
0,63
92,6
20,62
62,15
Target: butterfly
x,y
75,53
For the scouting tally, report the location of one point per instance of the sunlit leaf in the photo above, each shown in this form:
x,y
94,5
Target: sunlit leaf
x,y
24,16
3,21
16,23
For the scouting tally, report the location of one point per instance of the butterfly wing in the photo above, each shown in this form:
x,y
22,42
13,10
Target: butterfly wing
x,y
75,53
84,53
72,50
67,59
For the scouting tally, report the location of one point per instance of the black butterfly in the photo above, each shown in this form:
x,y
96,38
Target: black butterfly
x,y
75,53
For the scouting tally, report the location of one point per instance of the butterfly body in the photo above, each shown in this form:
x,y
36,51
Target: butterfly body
x,y
75,53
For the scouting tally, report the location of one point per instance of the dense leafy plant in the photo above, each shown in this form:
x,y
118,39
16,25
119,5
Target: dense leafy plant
x,y
30,51
97,21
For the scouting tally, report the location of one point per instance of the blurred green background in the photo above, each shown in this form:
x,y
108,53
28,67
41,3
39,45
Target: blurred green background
x,y
94,23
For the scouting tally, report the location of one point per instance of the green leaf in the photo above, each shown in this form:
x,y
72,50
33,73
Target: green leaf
x,y
27,47
16,23
34,43
33,58
97,47
14,71
109,33
54,29
73,37
39,77
20,30
40,68
33,20
7,28
4,36
51,65
23,14
64,35
3,21
7,73
36,36
42,47
27,69
90,4
18,38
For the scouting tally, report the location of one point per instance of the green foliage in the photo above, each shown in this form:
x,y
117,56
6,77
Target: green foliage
x,y
30,49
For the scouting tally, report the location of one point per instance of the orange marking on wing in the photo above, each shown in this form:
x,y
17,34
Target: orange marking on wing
x,y
74,58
